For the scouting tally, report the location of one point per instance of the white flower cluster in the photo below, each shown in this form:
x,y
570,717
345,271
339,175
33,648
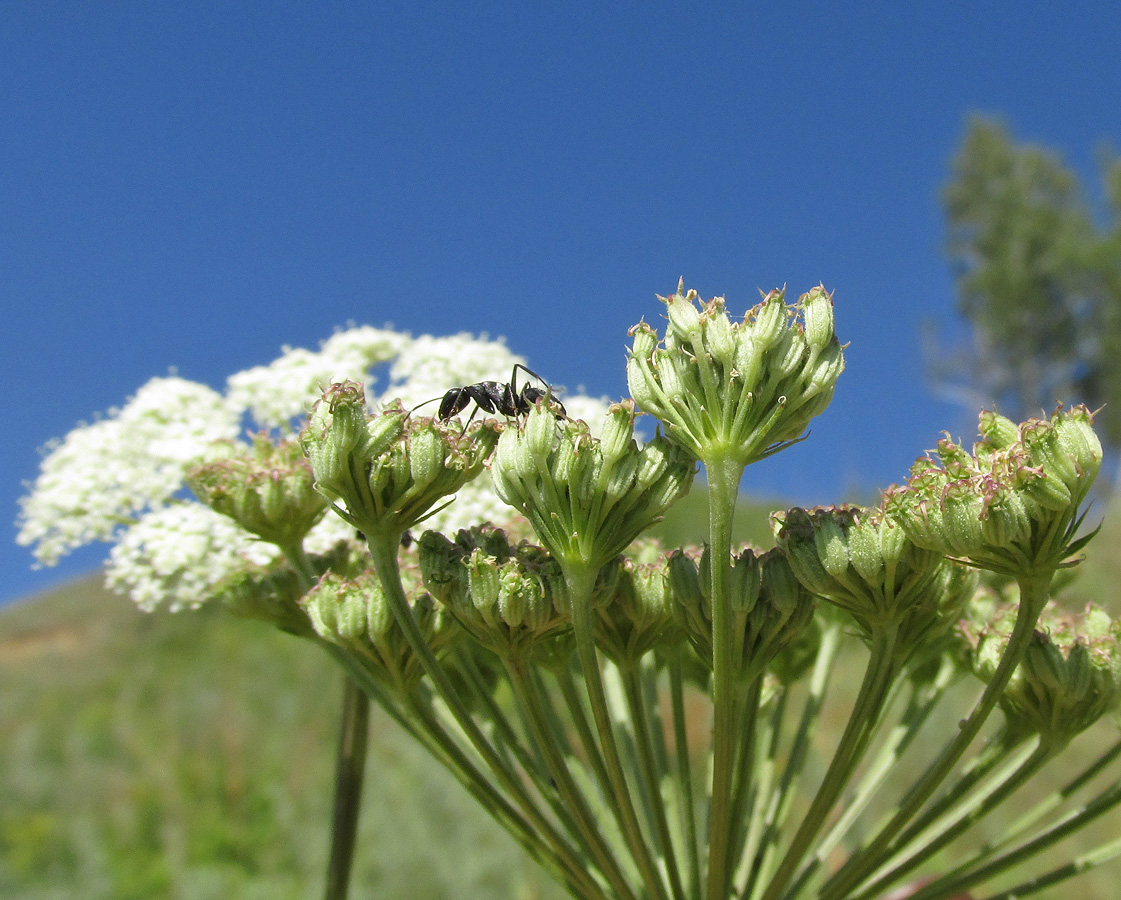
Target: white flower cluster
x,y
286,388
100,477
121,479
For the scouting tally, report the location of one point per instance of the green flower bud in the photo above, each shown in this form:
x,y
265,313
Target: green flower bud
x,y
510,598
1002,507
769,319
718,335
1070,675
385,475
770,608
268,490
684,319
585,502
353,613
736,390
638,615
999,432
817,314
864,563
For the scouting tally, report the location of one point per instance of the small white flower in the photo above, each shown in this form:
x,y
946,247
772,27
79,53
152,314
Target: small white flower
x,y
176,556
101,476
286,388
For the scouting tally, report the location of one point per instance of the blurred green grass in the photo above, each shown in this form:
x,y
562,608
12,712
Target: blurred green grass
x,y
189,756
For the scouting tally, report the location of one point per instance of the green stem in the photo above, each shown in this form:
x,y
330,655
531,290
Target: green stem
x,y
724,474
684,774
350,766
650,773
383,549
746,781
780,804
970,874
923,700
591,837
979,805
1033,596
866,711
580,581
423,727
350,759
1049,803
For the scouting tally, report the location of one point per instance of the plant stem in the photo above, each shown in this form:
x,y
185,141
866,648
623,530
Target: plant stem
x,y
684,775
650,773
723,473
865,715
780,803
350,765
1033,596
590,835
350,759
985,800
580,581
383,549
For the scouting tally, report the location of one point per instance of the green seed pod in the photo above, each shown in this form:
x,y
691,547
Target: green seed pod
x,y
739,390
268,489
1001,507
417,462
817,314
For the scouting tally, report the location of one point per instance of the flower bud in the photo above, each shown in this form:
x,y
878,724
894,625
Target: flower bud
x,y
1001,507
1070,675
719,333
769,319
998,431
387,475
611,497
740,389
510,598
638,615
864,563
684,318
354,613
817,314
268,490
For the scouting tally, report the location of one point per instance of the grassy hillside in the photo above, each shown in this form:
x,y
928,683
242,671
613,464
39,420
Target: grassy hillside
x,y
189,756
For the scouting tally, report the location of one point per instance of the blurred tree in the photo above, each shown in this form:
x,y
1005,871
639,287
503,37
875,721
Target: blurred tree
x,y
1038,279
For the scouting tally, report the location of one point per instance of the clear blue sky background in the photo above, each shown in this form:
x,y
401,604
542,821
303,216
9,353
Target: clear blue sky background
x,y
194,185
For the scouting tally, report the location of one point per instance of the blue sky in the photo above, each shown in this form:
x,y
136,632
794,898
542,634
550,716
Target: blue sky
x,y
194,185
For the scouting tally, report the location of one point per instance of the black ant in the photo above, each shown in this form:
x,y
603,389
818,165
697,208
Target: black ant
x,y
495,397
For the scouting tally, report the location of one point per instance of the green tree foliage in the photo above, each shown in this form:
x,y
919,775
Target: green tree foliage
x,y
1038,277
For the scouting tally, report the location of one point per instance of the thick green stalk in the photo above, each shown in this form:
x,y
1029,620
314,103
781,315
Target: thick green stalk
x,y
580,581
723,475
1033,596
350,767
